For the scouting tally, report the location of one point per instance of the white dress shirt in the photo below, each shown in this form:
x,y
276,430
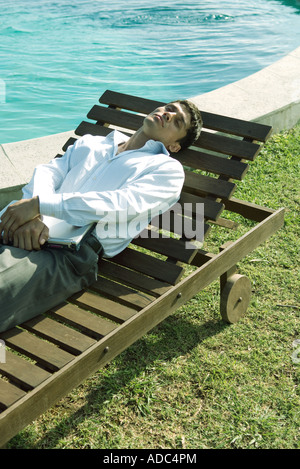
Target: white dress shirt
x,y
121,192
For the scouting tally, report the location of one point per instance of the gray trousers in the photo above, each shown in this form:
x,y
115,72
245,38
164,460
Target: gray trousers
x,y
31,282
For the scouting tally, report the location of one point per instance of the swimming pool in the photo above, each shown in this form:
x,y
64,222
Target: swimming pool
x,y
57,57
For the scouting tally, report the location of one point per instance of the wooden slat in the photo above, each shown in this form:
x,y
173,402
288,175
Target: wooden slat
x,y
170,247
212,121
183,226
237,127
202,185
94,129
103,306
211,163
149,265
24,373
46,354
121,293
248,209
67,338
68,143
228,146
105,115
202,257
130,102
89,323
181,221
132,278
212,209
9,394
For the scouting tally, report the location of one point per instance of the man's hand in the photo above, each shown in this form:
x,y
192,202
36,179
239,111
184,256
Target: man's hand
x,y
31,236
17,215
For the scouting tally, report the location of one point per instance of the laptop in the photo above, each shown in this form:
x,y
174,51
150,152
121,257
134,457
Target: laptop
x,y
62,234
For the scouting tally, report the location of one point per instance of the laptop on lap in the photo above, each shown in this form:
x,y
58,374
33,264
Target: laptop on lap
x,y
63,234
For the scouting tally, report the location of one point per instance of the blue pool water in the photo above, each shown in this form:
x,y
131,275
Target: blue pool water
x,y
57,57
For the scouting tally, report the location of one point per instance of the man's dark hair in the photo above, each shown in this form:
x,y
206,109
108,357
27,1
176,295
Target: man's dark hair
x,y
194,130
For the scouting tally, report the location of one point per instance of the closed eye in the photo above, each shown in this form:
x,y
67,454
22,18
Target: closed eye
x,y
179,121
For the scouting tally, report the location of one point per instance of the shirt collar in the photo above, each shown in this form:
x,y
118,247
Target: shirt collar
x,y
155,147
151,146
116,138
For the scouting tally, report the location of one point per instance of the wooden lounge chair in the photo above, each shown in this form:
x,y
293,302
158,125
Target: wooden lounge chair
x,y
140,287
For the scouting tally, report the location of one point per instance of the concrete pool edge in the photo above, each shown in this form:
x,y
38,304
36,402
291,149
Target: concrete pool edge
x,y
270,96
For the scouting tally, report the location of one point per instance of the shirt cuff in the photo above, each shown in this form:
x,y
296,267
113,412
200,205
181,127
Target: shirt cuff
x,y
52,207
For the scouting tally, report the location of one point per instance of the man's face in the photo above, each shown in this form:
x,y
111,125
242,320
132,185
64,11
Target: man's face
x,y
168,124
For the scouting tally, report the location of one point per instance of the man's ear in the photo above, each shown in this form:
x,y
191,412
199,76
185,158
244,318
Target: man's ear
x,y
174,147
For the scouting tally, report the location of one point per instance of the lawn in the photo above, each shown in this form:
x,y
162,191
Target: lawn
x,y
195,382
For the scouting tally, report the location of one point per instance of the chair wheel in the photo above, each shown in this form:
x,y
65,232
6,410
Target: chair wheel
x,y
235,298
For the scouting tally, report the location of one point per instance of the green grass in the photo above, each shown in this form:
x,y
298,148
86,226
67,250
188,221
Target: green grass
x,y
195,382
